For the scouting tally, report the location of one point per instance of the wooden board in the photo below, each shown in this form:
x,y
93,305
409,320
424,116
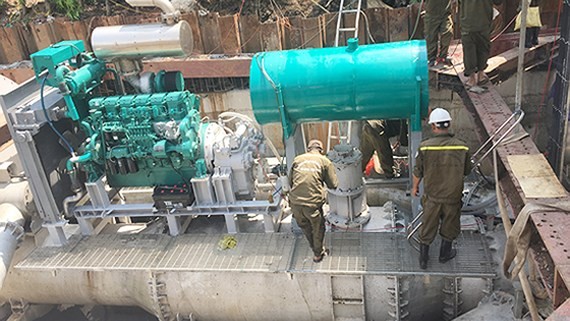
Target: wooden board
x,y
378,21
211,36
250,34
416,24
398,24
192,20
229,29
535,176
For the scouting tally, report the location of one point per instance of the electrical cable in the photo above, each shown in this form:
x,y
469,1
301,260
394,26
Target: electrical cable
x,y
49,121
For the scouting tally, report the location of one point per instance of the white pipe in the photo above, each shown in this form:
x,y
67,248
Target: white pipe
x,y
11,229
164,5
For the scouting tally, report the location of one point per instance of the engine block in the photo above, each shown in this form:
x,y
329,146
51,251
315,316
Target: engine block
x,y
146,139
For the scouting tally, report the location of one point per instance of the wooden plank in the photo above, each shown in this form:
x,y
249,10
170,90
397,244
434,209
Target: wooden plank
x,y
229,29
379,22
10,46
270,37
398,24
312,35
192,19
250,34
210,30
535,176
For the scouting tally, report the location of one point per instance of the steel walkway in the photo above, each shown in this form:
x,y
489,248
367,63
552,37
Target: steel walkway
x,y
352,253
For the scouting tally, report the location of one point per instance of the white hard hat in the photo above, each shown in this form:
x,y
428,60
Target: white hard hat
x,y
439,115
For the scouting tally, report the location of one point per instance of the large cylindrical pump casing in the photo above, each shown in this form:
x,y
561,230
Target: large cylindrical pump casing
x,y
138,41
344,83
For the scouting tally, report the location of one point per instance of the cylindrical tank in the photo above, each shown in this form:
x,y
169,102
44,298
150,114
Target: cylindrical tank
x,y
138,41
344,83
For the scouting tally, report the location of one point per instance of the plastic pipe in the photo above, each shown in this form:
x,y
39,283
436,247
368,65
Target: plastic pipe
x,y
11,230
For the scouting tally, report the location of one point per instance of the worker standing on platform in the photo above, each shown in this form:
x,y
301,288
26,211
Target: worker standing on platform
x,y
309,173
438,26
476,17
376,136
441,162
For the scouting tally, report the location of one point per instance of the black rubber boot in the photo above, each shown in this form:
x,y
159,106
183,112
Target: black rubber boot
x,y
424,256
446,252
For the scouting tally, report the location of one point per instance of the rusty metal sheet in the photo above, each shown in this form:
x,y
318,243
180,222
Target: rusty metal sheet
x,y
192,20
18,75
10,46
562,313
379,24
294,29
561,280
229,28
398,22
329,31
270,37
202,68
312,34
553,229
211,36
250,34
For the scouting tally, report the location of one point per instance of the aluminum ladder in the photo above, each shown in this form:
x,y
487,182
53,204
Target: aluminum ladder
x,y
343,129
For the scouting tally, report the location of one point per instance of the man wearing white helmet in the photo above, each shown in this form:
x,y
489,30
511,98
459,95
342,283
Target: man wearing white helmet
x,y
309,173
441,162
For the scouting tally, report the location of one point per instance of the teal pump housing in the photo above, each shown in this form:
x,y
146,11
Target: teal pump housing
x,y
382,81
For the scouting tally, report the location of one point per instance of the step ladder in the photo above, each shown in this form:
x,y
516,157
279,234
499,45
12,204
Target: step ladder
x,y
343,128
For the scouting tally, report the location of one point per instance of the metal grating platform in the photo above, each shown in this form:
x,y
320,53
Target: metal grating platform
x,y
360,253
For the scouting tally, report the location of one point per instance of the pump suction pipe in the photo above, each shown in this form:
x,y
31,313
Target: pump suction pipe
x,y
11,230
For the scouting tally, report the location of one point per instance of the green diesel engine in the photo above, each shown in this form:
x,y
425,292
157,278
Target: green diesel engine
x,y
141,128
147,139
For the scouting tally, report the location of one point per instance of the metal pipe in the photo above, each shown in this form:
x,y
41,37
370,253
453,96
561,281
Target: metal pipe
x,y
164,5
508,225
72,200
520,66
11,230
142,41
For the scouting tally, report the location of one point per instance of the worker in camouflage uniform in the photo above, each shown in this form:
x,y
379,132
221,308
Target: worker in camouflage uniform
x,y
376,137
476,17
309,173
441,162
438,26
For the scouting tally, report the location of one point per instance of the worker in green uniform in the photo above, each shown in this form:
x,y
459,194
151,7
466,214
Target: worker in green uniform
x,y
438,26
309,173
441,162
476,17
376,136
